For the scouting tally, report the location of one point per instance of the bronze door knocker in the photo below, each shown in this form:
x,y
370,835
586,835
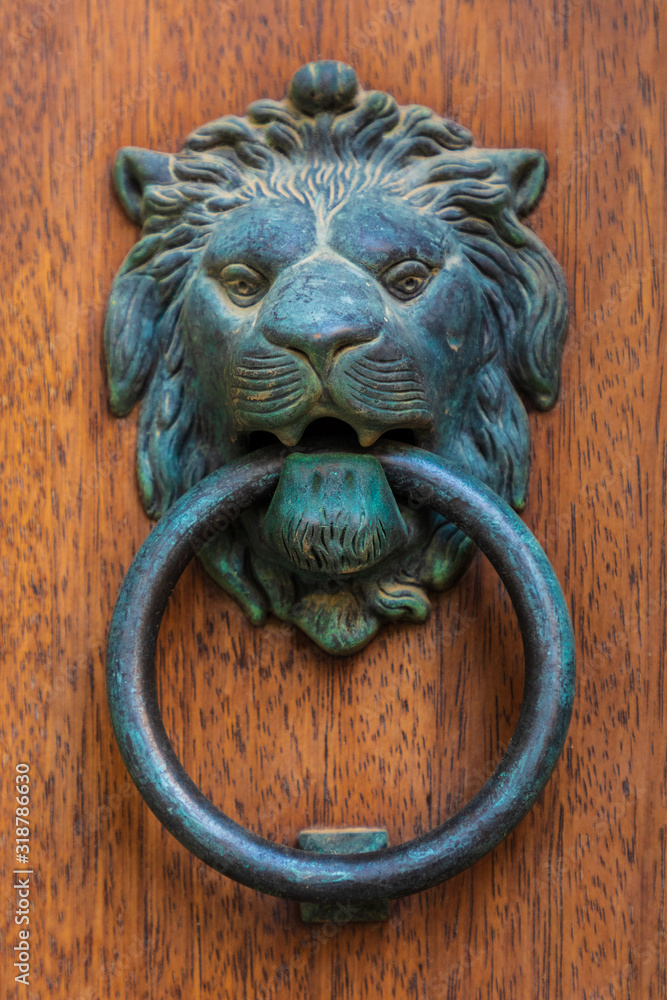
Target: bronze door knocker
x,y
331,320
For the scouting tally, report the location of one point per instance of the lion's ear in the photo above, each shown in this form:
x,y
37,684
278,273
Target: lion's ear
x,y
526,173
134,170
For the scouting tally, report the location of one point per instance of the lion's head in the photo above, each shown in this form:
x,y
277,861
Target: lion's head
x,y
333,264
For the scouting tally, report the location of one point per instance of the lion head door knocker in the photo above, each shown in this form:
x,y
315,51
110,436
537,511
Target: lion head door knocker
x,y
329,319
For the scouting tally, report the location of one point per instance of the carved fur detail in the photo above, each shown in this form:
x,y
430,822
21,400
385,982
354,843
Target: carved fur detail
x,y
325,141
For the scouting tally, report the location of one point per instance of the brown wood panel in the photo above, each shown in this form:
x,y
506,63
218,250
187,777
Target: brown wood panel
x,y
281,736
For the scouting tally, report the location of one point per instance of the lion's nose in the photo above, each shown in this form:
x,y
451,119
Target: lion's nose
x,y
321,307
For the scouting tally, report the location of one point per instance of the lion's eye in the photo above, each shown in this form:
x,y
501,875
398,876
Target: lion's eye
x,y
243,284
406,279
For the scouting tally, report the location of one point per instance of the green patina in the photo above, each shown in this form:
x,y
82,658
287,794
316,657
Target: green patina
x,y
342,875
349,840
333,267
344,276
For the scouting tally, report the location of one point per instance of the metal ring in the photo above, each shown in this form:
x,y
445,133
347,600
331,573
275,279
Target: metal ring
x,y
395,871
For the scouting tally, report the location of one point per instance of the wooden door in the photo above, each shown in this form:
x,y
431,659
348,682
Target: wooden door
x,y
278,734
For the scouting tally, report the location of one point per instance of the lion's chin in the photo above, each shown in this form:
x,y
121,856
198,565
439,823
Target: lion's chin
x,y
340,613
342,618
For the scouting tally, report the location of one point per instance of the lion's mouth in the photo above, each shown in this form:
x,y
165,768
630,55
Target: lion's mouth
x,y
334,433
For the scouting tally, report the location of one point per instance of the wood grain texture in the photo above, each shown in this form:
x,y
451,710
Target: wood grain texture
x,y
278,734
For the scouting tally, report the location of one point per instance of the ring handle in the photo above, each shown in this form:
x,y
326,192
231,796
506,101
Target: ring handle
x,y
426,860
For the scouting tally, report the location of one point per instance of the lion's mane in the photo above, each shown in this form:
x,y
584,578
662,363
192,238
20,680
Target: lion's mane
x,y
298,149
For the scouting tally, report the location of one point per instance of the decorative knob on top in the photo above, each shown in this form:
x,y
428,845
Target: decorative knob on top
x,y
323,86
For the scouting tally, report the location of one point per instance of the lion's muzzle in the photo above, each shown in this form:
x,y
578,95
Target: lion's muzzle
x,y
333,514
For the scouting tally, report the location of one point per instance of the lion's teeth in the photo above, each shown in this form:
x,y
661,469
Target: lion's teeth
x,y
288,436
367,438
